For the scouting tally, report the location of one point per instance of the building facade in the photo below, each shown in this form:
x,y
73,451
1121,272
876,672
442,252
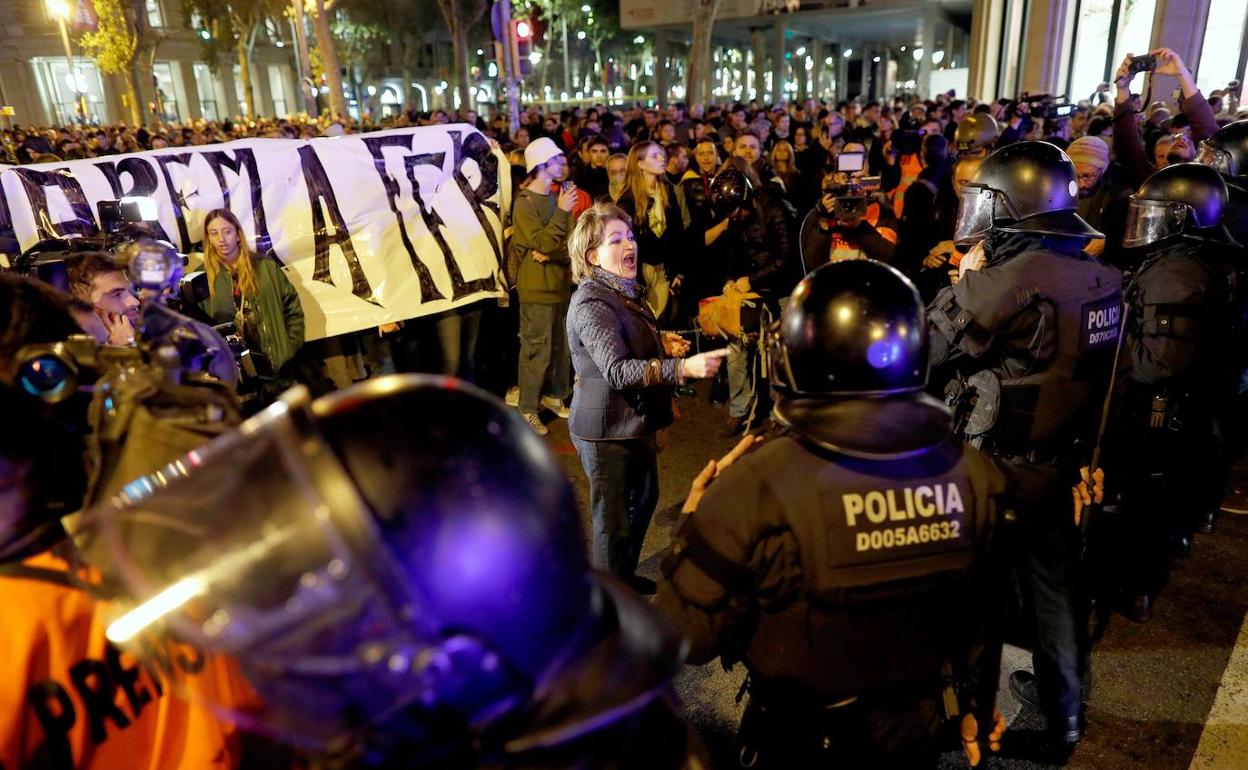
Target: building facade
x,y
988,49
38,82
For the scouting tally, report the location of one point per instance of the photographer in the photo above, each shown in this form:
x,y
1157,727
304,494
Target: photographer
x,y
848,222
1128,142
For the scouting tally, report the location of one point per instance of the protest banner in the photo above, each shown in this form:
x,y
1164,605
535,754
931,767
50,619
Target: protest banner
x,y
371,228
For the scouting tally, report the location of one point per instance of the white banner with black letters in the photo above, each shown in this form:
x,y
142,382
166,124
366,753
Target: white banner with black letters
x,y
372,228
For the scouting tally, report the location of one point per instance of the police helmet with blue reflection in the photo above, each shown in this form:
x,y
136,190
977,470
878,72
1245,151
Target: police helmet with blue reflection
x,y
1184,199
400,559
852,345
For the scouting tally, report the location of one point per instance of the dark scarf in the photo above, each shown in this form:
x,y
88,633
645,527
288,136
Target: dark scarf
x,y
632,288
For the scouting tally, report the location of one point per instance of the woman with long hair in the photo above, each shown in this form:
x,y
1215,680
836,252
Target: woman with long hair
x,y
658,222
783,162
253,292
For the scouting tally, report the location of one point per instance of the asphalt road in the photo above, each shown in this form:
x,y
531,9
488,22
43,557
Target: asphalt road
x,y
1154,686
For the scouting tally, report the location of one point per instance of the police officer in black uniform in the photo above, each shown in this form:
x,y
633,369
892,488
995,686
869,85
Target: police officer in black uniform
x,y
1227,152
1033,332
847,560
1177,372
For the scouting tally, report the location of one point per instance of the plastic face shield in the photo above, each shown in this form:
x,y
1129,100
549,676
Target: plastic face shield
x,y
1150,221
976,207
1215,158
258,545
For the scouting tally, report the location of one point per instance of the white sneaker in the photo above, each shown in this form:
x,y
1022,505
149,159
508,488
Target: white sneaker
x,y
536,424
513,396
560,409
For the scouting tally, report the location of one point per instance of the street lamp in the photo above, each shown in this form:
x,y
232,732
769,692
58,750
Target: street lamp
x,y
60,10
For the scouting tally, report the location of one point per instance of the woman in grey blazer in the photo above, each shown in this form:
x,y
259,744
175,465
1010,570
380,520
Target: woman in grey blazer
x,y
626,371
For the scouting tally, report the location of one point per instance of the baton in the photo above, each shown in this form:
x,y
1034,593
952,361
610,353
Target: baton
x,y
1105,407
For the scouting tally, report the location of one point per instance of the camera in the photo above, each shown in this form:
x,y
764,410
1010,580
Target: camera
x,y
1046,107
56,371
1138,64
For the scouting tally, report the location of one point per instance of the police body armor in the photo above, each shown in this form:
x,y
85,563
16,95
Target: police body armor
x,y
1043,372
877,555
1187,400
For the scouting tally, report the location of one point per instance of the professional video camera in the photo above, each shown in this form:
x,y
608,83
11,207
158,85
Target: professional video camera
x,y
1048,107
850,189
166,395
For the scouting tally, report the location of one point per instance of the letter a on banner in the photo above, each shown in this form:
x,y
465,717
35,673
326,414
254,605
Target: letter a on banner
x,y
319,190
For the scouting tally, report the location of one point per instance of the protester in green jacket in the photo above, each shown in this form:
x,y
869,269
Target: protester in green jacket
x,y
541,222
251,291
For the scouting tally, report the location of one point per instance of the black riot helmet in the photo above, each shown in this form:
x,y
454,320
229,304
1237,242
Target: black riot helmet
x,y
855,331
1025,187
731,190
402,558
1227,150
1183,199
976,133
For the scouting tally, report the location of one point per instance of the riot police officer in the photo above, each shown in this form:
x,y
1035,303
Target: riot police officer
x,y
1177,372
399,570
1227,153
975,135
846,561
1032,326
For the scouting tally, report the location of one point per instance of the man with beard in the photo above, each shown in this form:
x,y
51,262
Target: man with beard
x,y
1129,144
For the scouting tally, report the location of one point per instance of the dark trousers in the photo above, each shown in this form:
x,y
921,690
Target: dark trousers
x,y
1047,558
457,333
1167,481
545,363
623,490
882,734
1049,567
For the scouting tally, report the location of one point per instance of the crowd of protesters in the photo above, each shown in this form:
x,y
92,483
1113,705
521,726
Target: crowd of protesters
x,y
904,155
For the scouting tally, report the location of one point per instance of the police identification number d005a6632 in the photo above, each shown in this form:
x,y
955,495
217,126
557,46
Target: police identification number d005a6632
x,y
909,516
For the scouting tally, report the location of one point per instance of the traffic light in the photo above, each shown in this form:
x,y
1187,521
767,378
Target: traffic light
x,y
522,45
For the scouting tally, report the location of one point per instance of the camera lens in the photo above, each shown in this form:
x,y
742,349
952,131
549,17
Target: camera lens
x,y
46,377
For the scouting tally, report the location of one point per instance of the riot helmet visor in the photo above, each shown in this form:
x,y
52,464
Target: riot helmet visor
x,y
976,213
1216,158
1149,221
259,545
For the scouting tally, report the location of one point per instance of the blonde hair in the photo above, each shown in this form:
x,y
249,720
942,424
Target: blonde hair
x,y
789,164
637,182
244,266
590,229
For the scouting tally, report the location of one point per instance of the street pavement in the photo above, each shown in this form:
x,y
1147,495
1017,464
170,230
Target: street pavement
x,y
1166,695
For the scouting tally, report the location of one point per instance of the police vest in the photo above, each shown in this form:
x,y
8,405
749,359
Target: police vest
x,y
1047,326
71,700
888,553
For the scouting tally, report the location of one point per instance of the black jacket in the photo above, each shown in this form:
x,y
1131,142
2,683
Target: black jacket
x,y
624,378
668,249
1041,318
761,246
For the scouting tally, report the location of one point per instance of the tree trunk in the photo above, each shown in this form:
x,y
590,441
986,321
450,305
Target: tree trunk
x,y
244,73
459,34
700,51
329,59
132,96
